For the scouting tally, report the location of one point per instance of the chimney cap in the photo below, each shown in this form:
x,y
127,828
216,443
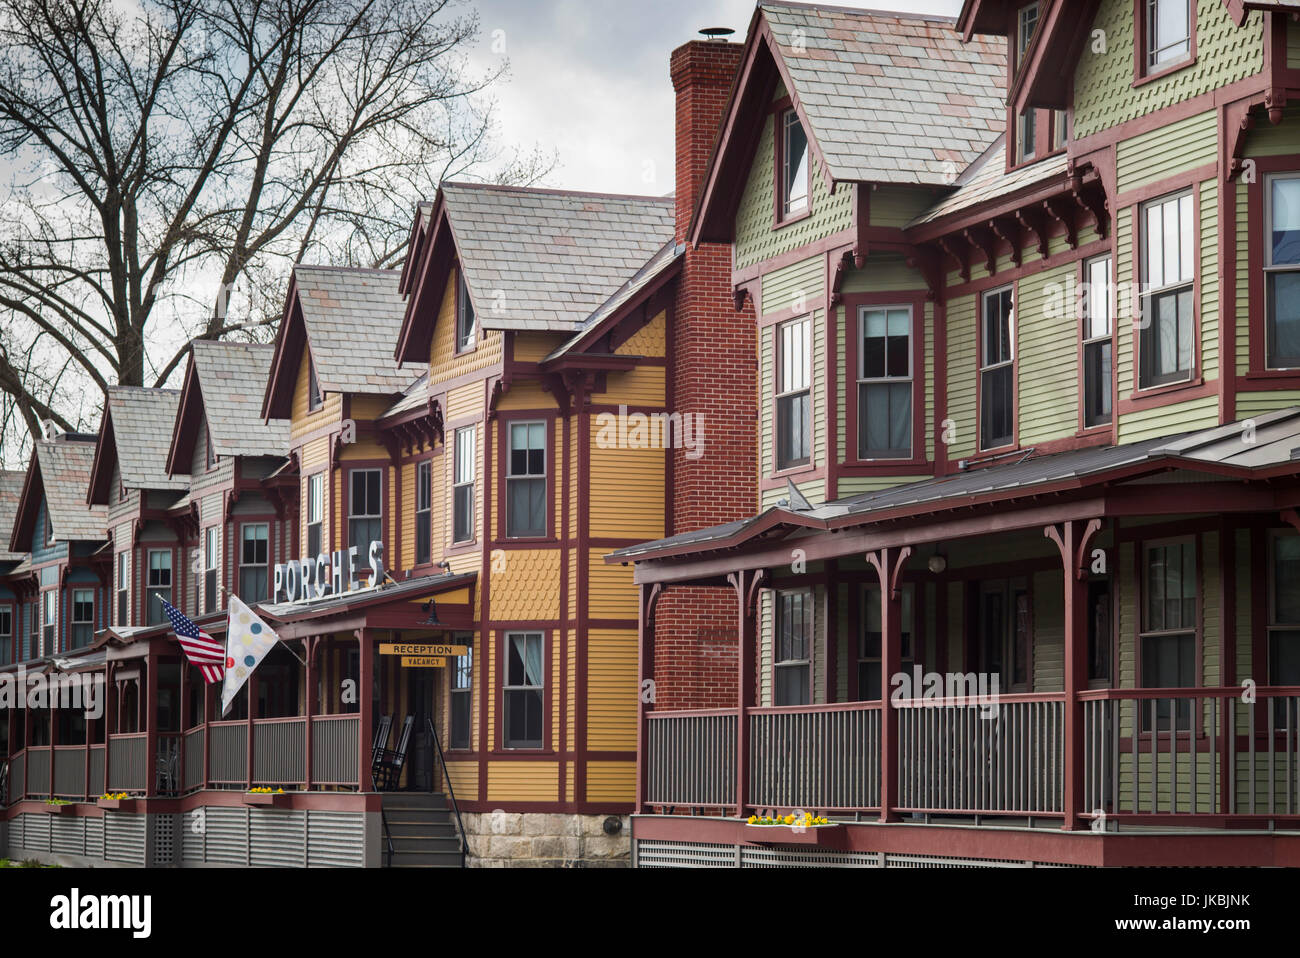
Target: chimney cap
x,y
717,33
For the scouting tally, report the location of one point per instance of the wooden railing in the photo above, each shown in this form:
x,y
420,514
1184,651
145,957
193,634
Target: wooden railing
x,y
128,766
690,758
825,758
280,751
334,744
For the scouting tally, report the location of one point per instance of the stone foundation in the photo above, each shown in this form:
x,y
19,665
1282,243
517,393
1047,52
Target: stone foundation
x,y
503,839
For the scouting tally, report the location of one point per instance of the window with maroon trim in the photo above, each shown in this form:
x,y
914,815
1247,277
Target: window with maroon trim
x,y
1100,630
211,566
123,591
885,382
1004,633
424,512
1284,619
462,495
792,668
465,327
314,398
1026,26
794,394
81,630
1282,271
524,691
1169,249
795,166
1166,33
462,693
7,635
366,511
1098,346
254,561
1169,629
158,587
315,513
526,501
49,621
997,373
871,639
211,459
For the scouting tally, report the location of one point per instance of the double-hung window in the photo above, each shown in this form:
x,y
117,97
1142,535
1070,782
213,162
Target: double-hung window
x,y
462,506
464,315
1169,629
794,617
7,635
424,513
33,630
1098,325
365,519
1168,30
794,394
997,370
315,511
123,591
82,629
462,694
526,481
1284,620
1169,238
254,560
50,621
1026,136
211,563
159,586
870,641
525,689
796,176
885,384
1282,272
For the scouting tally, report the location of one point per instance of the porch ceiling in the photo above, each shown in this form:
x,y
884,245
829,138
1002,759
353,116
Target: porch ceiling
x,y
1265,448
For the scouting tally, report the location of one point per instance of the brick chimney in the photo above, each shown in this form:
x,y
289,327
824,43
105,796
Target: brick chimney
x,y
712,375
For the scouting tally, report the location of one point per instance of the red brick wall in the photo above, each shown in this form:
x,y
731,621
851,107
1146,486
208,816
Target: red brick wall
x,y
713,375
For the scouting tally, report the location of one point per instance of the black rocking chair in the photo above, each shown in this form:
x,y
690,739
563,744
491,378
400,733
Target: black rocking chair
x,y
380,744
387,768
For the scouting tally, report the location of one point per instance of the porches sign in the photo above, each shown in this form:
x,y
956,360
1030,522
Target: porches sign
x,y
304,579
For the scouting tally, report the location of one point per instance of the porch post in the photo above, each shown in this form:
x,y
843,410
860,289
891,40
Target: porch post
x,y
149,700
207,730
367,710
1072,540
746,587
252,714
184,722
309,650
888,564
648,598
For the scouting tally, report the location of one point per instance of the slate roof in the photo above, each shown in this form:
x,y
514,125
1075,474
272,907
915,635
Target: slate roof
x,y
11,488
143,420
353,317
232,378
414,396
891,97
987,179
1275,444
546,260
65,476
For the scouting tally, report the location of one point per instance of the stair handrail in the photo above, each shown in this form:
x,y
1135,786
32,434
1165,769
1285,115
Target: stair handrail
x,y
388,836
451,791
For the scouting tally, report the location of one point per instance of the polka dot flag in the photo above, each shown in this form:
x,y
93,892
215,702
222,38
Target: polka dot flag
x,y
248,639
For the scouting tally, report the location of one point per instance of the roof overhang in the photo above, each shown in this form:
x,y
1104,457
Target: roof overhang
x,y
1046,78
181,451
429,262
290,341
101,469
29,503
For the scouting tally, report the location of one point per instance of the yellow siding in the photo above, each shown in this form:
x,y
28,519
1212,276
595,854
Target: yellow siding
x,y
650,340
464,778
407,558
612,594
465,402
444,364
524,395
611,781
523,781
643,386
627,488
611,690
534,347
526,585
303,422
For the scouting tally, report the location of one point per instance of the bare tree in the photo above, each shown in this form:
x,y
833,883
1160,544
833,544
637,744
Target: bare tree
x,y
164,149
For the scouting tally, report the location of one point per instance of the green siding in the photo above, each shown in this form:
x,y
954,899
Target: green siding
x,y
1124,278
1258,403
1292,45
1103,81
1280,140
1049,632
961,378
882,273
1168,151
1169,420
1047,343
862,484
794,289
1243,281
756,240
814,490
1210,280
896,206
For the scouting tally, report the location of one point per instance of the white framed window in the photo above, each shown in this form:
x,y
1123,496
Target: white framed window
x,y
465,328
211,565
526,481
1168,33
997,369
1026,136
794,394
462,507
366,515
159,586
424,513
1169,628
462,693
1098,330
254,561
1026,24
885,378
525,690
1168,254
82,627
123,591
50,621
315,513
796,166
1282,270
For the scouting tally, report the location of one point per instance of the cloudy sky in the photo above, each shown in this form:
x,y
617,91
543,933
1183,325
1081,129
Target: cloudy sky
x,y
589,80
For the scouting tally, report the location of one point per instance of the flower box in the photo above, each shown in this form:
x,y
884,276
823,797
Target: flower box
x,y
117,804
816,836
267,799
56,809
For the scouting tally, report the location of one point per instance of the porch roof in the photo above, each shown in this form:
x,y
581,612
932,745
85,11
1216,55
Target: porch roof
x,y
1271,447
406,591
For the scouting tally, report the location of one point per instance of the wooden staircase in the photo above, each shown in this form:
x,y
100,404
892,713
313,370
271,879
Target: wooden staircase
x,y
422,831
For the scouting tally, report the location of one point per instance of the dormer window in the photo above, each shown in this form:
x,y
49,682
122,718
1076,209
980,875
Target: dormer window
x,y
464,315
313,387
1026,137
1168,33
1026,24
794,166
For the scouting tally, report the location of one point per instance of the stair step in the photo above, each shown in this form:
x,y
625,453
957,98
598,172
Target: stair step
x,y
425,845
408,829
419,815
429,800
426,860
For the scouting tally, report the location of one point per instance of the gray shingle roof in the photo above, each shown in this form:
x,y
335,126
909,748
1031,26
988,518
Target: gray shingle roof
x,y
987,179
232,378
891,97
65,475
11,488
353,317
546,260
415,396
143,420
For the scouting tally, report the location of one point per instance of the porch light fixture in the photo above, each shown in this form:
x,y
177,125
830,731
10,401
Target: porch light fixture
x,y
430,607
938,564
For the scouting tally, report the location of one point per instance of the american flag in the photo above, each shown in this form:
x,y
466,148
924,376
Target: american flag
x,y
200,648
